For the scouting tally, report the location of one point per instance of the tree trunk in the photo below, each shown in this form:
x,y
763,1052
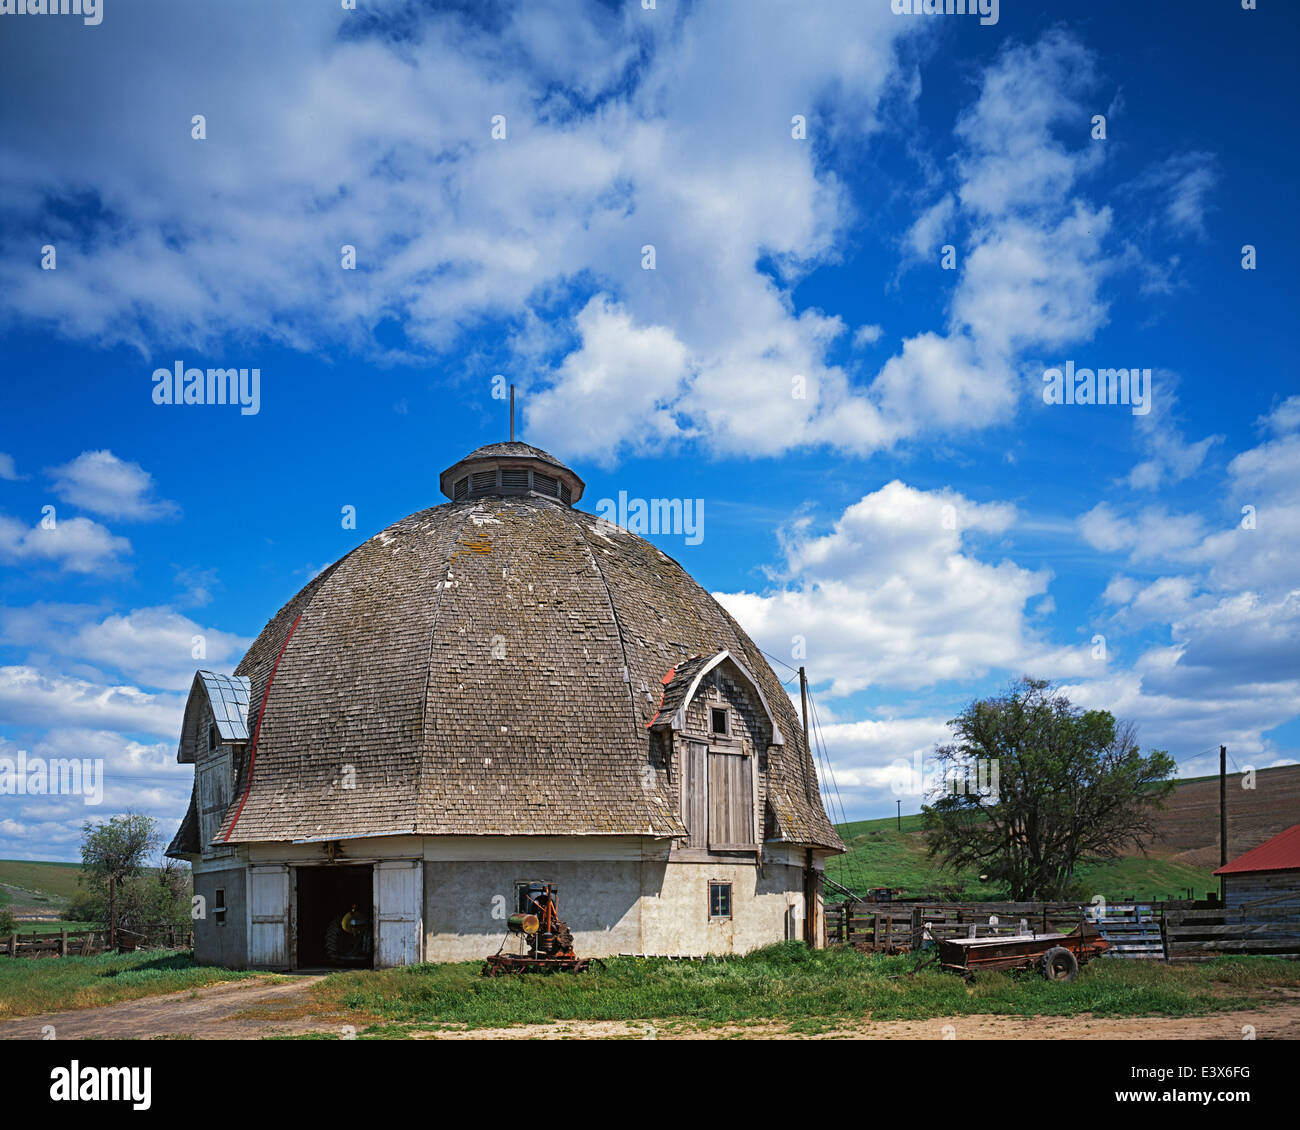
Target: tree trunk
x,y
112,912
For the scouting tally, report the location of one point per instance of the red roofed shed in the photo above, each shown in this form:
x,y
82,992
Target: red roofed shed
x,y
1266,876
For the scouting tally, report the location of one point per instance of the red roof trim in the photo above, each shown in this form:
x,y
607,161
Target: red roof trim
x,y
257,732
1281,853
672,674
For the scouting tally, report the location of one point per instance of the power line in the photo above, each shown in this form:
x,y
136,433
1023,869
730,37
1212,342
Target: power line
x,y
824,755
780,661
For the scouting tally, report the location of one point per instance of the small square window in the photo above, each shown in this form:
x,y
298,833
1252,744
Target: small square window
x,y
219,906
719,720
719,900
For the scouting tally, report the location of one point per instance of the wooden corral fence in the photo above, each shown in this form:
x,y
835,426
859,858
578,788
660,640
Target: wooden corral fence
x,y
1268,926
1133,929
83,943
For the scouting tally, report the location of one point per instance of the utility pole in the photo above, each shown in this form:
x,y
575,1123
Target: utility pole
x,y
807,733
809,872
512,413
803,695
1223,813
900,815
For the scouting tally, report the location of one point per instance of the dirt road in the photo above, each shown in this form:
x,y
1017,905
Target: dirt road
x,y
216,1012
1277,1023
250,1010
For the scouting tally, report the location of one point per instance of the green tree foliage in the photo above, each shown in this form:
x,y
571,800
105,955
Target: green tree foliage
x,y
157,896
114,852
1070,784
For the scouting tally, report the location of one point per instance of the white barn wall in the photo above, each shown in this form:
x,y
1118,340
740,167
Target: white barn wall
x,y
222,945
617,894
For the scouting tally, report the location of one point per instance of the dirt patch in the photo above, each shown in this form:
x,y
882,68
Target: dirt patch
x,y
235,1010
258,1009
1281,1022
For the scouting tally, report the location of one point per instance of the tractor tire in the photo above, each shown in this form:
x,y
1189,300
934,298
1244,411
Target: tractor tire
x,y
334,941
1059,964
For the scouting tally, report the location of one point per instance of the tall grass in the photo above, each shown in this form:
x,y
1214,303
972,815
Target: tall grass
x,y
789,982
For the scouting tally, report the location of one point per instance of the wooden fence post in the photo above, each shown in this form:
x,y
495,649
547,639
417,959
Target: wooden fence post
x,y
63,942
916,929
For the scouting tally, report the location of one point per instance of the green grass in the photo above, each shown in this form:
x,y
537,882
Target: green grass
x,y
34,985
880,855
786,983
1148,879
55,927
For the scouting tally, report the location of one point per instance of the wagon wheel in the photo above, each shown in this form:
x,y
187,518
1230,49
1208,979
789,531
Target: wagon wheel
x,y
1059,964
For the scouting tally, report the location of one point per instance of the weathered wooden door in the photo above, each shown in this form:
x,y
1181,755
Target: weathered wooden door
x,y
695,794
399,918
268,916
731,800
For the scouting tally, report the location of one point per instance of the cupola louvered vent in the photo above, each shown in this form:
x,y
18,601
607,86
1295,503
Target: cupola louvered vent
x,y
514,482
461,489
482,481
546,484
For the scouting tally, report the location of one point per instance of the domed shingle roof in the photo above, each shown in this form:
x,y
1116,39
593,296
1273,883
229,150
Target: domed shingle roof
x,y
489,667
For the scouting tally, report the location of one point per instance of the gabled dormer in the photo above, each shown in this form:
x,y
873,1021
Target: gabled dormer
x,y
214,736
717,726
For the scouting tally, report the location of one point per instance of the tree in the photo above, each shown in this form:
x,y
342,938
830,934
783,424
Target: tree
x,y
157,896
1067,784
115,851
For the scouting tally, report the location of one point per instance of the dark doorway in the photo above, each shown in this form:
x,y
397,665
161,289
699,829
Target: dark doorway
x,y
335,917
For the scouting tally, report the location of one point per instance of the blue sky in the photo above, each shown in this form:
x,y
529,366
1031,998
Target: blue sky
x,y
919,517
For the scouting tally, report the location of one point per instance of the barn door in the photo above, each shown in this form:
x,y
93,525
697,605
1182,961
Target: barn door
x,y
695,794
268,916
399,921
731,800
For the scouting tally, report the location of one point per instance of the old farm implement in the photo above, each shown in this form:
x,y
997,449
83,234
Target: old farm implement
x,y
546,943
1057,956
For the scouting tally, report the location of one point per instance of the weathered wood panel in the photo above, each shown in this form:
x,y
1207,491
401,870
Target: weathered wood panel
x,y
731,800
268,913
398,893
695,783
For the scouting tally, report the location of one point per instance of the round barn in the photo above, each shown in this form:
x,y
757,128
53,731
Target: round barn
x,y
498,691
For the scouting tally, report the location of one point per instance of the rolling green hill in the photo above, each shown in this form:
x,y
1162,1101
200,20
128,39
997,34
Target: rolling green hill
x,y
1183,854
880,855
30,888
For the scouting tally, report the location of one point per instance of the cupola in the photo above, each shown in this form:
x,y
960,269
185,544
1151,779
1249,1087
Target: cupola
x,y
511,468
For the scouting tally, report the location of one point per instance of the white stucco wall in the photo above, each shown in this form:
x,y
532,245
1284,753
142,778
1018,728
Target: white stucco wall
x,y
617,894
633,900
